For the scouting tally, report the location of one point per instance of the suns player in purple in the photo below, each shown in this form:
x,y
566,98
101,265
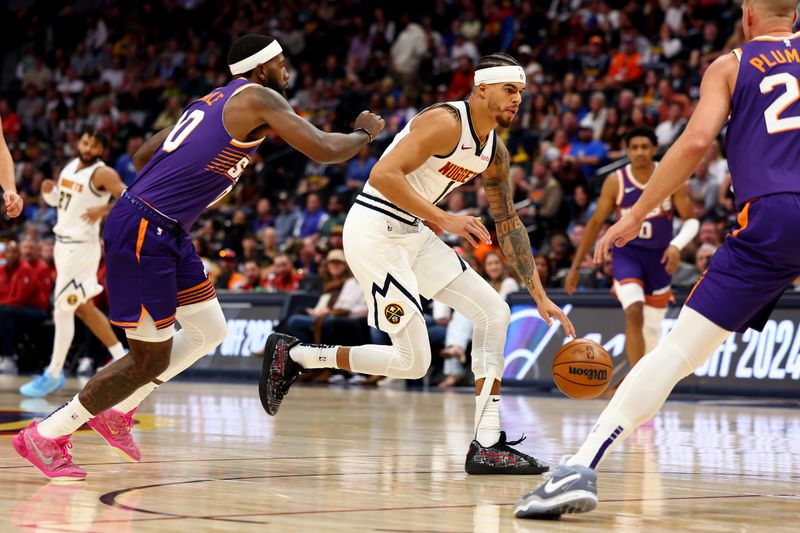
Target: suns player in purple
x,y
154,275
757,87
642,270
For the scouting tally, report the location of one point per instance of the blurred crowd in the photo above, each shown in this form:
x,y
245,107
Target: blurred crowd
x,y
596,68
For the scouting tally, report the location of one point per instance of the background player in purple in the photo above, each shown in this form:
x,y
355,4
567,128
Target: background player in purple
x,y
642,270
154,275
757,85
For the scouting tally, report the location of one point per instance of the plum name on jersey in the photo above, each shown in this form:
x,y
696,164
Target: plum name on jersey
x,y
779,57
454,172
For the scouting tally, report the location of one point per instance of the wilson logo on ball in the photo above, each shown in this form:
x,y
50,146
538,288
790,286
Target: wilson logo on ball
x,y
593,374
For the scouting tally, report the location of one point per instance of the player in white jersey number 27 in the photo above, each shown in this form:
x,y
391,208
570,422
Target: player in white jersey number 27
x,y
82,195
396,258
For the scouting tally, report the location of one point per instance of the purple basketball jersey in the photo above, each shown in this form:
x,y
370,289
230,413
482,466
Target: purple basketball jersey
x,y
198,163
764,129
656,232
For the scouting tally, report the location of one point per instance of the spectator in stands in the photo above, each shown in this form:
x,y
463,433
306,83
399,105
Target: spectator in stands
x,y
587,152
252,275
23,304
124,166
229,277
269,244
288,217
30,250
283,277
336,216
625,66
709,233
669,129
688,274
358,169
594,62
703,189
264,217
313,217
545,193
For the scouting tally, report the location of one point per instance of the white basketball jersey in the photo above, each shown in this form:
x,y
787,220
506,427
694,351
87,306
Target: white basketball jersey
x,y
438,175
76,194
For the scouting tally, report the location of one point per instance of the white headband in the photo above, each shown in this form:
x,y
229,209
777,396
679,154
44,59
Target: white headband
x,y
262,56
508,74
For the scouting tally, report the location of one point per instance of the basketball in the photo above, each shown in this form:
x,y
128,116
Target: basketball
x,y
582,369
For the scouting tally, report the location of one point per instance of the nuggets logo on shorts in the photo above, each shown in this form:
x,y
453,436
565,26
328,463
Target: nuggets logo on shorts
x,y
72,299
393,313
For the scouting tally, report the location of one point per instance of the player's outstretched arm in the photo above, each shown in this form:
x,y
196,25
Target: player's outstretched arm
x,y
513,237
605,206
12,200
301,135
434,132
146,150
683,157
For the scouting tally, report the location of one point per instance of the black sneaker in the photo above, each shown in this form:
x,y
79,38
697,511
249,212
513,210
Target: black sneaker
x,y
278,371
501,459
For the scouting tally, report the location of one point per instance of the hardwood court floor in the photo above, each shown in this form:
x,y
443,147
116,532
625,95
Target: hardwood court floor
x,y
383,460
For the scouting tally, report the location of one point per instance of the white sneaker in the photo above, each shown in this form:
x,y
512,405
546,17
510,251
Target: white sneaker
x,y
357,379
7,365
85,366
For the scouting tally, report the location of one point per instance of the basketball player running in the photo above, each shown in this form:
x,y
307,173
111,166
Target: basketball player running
x,y
643,270
757,86
83,194
154,275
395,258
11,199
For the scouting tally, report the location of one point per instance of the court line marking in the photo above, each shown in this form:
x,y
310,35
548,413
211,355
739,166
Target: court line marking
x,y
171,516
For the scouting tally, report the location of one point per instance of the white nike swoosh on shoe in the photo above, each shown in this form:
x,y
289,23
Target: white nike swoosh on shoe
x,y
550,487
46,460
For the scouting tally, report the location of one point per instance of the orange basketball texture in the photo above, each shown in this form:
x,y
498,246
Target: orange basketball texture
x,y
582,369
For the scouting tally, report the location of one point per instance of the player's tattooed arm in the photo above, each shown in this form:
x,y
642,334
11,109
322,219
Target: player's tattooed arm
x,y
146,151
513,237
275,111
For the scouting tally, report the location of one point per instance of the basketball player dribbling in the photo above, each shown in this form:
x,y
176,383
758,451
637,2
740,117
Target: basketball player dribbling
x,y
395,258
154,275
642,270
754,89
82,195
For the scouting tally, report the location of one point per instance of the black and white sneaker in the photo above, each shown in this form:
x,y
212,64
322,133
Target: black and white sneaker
x,y
278,371
501,459
568,489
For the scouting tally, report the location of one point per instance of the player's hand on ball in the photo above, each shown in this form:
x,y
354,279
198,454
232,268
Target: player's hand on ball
x,y
469,227
549,310
620,234
671,259
13,203
371,122
47,185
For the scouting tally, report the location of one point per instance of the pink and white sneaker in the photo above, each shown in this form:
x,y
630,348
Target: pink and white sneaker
x,y
50,456
115,427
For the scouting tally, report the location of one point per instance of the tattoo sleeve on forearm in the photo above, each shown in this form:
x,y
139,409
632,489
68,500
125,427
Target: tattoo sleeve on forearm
x,y
511,234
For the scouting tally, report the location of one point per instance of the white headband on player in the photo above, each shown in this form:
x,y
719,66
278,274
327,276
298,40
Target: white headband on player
x,y
507,74
262,56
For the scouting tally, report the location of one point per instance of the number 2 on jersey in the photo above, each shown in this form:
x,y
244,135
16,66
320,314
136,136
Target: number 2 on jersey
x,y
63,200
775,124
182,129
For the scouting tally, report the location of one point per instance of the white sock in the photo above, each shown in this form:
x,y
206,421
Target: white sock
x,y
65,330
314,355
117,351
691,342
64,420
652,326
611,429
132,402
488,431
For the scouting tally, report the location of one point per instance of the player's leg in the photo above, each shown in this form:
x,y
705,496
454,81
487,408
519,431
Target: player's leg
x,y
69,294
98,324
630,294
489,453
657,294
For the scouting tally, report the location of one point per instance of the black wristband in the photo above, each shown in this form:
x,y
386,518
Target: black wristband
x,y
371,138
